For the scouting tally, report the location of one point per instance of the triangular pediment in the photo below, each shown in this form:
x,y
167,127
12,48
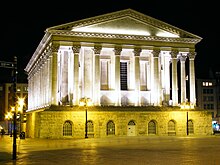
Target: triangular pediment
x,y
125,22
125,25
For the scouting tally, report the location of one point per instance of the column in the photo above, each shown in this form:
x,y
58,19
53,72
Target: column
x,y
70,77
49,80
96,86
76,49
44,82
137,52
54,99
41,84
30,91
174,77
38,93
148,76
167,78
48,86
156,83
117,51
192,78
183,78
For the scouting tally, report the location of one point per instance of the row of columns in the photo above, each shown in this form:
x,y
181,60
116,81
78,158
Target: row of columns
x,y
156,87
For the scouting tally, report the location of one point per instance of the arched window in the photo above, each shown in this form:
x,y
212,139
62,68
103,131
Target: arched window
x,y
110,128
131,128
131,122
152,127
171,128
67,128
190,127
90,127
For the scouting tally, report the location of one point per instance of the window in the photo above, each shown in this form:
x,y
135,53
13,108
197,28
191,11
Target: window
x,y
190,127
67,128
171,128
18,89
131,122
208,106
104,75
123,75
90,127
25,89
110,128
152,127
207,84
208,98
143,76
207,91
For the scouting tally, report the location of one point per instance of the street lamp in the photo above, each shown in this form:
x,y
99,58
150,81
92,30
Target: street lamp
x,y
18,106
85,102
187,106
8,117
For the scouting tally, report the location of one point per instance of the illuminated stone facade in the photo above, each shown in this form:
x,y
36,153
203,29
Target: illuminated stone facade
x,y
124,60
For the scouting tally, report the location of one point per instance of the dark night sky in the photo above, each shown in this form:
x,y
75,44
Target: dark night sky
x,y
23,26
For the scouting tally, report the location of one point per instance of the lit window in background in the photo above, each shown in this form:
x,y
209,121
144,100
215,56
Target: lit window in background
x,y
206,84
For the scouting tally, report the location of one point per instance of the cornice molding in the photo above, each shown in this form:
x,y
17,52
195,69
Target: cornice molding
x,y
126,37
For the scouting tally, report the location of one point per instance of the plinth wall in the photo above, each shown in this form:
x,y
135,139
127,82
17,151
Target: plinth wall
x,y
49,122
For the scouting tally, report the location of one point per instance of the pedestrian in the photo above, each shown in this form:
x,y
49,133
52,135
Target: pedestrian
x,y
2,131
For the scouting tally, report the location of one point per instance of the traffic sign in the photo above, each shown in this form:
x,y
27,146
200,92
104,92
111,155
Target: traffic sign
x,y
5,64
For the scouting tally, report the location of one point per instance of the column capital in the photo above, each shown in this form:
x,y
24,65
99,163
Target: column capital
x,y
55,47
137,51
156,52
76,48
192,55
174,53
118,50
97,49
183,58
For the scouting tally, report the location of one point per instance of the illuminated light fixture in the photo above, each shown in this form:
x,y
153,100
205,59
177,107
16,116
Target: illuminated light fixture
x,y
20,104
111,31
85,102
8,115
187,106
12,108
166,34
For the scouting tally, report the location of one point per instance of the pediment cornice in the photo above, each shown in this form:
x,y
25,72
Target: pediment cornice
x,y
125,37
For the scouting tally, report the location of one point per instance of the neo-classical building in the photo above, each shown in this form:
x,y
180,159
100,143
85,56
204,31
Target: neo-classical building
x,y
133,67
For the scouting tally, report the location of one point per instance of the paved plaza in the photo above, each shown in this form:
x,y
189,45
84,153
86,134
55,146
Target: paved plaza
x,y
152,150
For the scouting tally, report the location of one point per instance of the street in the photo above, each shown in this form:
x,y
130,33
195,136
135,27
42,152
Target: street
x,y
152,150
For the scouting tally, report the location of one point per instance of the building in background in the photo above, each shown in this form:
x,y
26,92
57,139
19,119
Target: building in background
x,y
6,102
208,92
131,66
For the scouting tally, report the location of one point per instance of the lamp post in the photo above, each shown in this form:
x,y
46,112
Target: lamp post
x,y
14,76
187,106
85,102
18,106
